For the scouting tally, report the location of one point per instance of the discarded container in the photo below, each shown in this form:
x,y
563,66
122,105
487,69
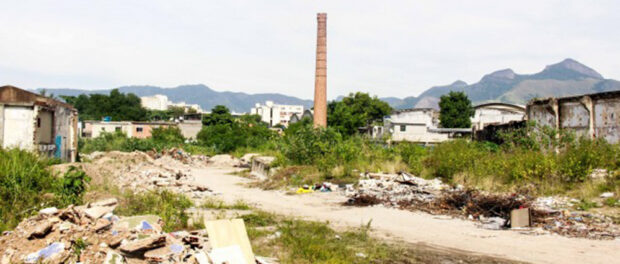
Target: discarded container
x,y
520,218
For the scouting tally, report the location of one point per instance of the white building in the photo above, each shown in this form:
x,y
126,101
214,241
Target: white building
x,y
496,113
161,102
274,114
155,102
418,125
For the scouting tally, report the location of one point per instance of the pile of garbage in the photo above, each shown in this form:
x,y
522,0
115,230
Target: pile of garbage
x,y
140,171
493,211
394,190
94,234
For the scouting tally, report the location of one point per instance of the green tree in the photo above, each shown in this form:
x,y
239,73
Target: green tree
x,y
355,111
117,105
455,110
219,115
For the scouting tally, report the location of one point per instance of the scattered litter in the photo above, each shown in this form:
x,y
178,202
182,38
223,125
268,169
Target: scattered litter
x,y
493,211
607,195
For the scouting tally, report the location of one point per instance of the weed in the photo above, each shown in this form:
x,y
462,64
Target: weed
x,y
168,205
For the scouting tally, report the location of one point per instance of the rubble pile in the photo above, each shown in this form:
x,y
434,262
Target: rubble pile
x,y
93,234
224,160
394,190
548,214
140,171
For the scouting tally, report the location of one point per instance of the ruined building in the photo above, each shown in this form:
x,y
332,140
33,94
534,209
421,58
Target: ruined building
x,y
38,123
592,115
320,82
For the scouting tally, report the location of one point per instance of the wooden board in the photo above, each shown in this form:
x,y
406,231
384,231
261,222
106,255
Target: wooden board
x,y
226,233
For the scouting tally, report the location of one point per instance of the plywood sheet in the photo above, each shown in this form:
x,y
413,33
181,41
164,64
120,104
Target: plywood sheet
x,y
230,232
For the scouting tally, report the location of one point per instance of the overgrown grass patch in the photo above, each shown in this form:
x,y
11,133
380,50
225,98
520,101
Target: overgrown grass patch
x,y
167,205
27,185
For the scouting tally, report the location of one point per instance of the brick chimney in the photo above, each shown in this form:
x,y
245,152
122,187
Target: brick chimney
x,y
320,82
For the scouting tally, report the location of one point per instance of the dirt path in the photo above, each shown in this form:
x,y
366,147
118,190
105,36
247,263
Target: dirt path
x,y
415,227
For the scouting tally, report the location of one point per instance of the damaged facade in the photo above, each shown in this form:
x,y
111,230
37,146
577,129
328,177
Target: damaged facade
x,y
496,114
592,115
34,122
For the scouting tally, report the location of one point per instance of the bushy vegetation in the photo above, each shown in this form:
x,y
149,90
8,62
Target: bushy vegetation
x,y
355,111
118,106
223,133
27,185
455,110
161,138
545,160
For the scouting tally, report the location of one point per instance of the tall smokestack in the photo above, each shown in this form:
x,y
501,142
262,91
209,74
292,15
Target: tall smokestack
x,y
320,81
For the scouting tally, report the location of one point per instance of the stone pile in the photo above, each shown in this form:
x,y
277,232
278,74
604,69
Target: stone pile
x,y
393,190
93,234
139,171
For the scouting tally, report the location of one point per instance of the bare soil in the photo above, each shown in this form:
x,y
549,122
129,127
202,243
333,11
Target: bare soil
x,y
453,240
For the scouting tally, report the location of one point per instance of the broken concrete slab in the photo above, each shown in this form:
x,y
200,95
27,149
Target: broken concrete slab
x,y
98,211
144,244
41,229
171,252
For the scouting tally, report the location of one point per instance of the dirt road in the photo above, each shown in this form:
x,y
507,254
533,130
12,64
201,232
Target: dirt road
x,y
415,227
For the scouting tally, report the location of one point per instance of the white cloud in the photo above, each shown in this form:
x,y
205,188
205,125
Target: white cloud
x,y
388,48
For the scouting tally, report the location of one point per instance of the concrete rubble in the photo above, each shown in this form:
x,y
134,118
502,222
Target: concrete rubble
x,y
140,171
492,211
71,236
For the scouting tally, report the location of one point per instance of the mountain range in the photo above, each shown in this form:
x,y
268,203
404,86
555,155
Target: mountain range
x,y
565,78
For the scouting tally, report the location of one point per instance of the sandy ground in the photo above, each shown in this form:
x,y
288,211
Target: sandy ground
x,y
414,227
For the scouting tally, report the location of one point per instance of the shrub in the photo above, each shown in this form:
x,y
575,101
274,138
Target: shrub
x,y
167,135
27,185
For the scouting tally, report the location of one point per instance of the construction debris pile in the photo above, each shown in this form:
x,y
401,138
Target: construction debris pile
x,y
493,211
140,171
93,234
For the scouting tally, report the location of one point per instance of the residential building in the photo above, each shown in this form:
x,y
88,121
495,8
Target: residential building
x,y
160,102
274,114
37,123
144,129
419,125
591,115
155,102
496,114
93,129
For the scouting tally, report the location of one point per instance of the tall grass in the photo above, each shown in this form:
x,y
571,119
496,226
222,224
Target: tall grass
x,y
27,185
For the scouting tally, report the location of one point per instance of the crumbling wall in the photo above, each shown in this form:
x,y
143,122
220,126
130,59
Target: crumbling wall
x,y
607,119
576,117
18,130
65,129
592,115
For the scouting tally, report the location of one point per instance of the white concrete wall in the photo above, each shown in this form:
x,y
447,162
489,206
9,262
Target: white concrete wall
x,y
485,116
18,127
110,127
155,102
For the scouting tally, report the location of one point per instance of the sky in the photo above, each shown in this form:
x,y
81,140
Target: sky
x,y
386,48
